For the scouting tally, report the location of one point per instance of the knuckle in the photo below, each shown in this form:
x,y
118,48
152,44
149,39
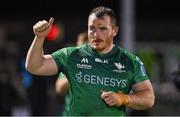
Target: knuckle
x,y
34,27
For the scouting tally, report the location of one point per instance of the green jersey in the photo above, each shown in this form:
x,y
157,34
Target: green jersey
x,y
89,73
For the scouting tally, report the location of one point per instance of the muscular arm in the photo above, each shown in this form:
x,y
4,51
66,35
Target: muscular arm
x,y
142,96
36,62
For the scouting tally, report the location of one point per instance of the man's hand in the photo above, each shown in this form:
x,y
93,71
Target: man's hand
x,y
115,99
42,28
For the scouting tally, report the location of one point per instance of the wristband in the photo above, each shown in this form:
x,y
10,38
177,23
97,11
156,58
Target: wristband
x,y
121,99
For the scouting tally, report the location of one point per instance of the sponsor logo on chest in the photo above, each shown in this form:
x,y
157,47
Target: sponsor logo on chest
x,y
98,60
84,64
97,79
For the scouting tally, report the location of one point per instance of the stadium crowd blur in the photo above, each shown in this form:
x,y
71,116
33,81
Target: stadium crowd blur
x,y
157,44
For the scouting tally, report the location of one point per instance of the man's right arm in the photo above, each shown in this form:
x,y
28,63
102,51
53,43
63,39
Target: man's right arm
x,y
36,62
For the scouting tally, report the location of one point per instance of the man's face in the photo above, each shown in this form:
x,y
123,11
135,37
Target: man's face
x,y
101,33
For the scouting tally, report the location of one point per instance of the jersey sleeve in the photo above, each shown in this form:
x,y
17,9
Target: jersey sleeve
x,y
60,58
139,71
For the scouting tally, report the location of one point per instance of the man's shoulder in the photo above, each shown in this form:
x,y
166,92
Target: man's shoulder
x,y
68,49
133,57
126,53
72,49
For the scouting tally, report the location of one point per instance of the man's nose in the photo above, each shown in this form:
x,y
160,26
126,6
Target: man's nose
x,y
96,34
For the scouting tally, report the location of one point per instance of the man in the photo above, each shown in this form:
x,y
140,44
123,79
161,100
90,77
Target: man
x,y
100,74
62,85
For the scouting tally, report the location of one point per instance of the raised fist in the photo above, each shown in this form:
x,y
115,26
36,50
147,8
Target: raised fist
x,y
42,28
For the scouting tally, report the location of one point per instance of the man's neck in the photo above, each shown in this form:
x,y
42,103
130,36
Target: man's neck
x,y
106,50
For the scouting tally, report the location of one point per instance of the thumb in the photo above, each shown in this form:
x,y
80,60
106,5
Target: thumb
x,y
51,20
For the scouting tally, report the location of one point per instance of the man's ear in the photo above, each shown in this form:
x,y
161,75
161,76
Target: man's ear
x,y
115,30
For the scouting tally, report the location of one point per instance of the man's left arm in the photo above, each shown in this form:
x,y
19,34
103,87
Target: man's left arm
x,y
142,97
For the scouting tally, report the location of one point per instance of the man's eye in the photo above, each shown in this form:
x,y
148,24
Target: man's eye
x,y
102,29
92,28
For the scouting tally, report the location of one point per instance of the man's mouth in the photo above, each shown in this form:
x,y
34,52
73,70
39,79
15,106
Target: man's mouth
x,y
97,40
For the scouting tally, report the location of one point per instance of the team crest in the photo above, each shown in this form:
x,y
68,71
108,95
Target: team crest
x,y
120,68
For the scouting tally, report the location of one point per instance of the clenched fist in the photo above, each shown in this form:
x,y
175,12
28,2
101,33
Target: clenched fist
x,y
42,28
115,99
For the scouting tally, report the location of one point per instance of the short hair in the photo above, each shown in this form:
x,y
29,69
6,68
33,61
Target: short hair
x,y
101,11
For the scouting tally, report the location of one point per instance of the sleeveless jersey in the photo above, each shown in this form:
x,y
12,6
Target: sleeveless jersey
x,y
89,73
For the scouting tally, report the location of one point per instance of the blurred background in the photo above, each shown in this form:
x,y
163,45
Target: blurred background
x,y
148,28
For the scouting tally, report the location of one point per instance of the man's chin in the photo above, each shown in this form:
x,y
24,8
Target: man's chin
x,y
96,47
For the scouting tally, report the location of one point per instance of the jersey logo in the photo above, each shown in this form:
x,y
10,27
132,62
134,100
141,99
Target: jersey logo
x,y
84,60
143,71
84,64
98,60
120,68
95,79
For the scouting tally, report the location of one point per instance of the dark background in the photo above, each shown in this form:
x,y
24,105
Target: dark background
x,y
163,14
146,9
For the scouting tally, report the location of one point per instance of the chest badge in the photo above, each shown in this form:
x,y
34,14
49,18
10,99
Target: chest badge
x,y
120,67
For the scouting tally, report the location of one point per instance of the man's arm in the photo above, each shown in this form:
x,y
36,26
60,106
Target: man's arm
x,y
142,97
36,62
62,86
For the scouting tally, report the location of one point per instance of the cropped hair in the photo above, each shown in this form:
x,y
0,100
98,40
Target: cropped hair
x,y
102,11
